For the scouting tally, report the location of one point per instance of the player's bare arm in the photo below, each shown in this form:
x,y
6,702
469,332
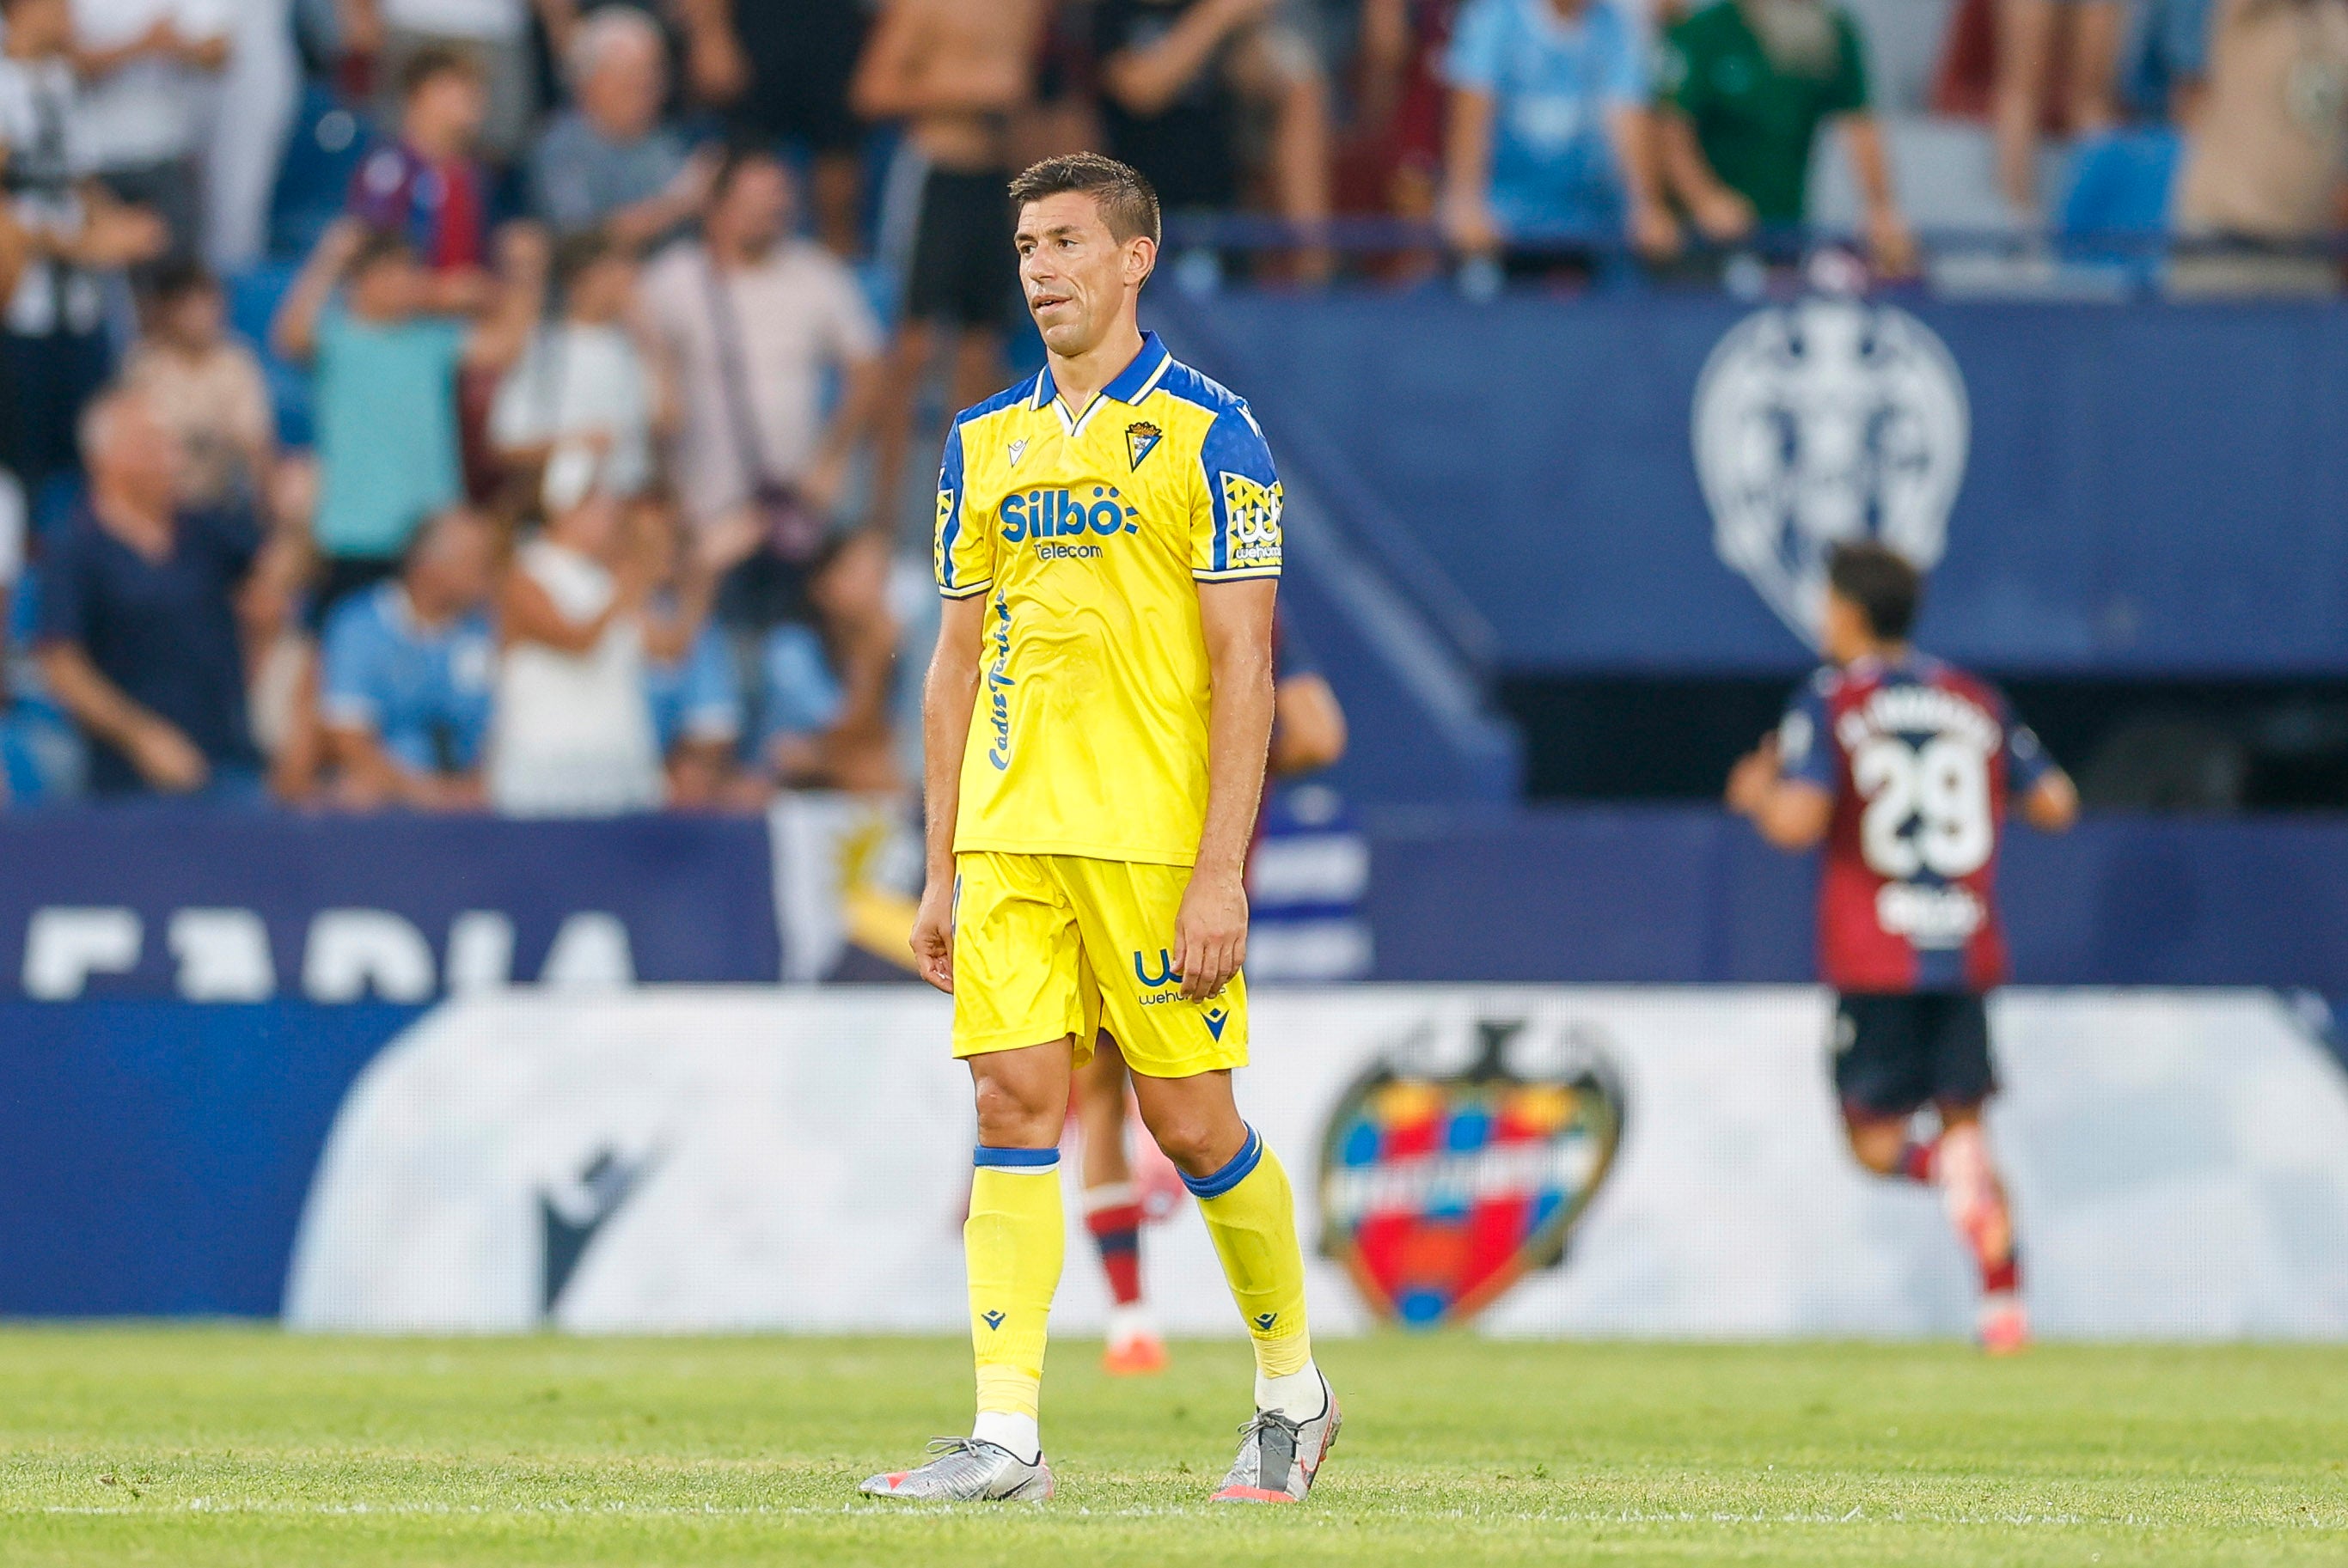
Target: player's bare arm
x,y
948,698
1308,726
1211,930
1791,814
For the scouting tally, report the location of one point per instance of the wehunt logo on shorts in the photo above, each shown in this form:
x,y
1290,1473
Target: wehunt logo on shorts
x,y
1055,515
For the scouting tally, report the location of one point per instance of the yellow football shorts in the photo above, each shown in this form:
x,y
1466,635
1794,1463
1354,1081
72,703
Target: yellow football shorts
x,y
1053,945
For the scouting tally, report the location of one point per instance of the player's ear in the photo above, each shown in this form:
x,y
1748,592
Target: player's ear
x,y
1141,259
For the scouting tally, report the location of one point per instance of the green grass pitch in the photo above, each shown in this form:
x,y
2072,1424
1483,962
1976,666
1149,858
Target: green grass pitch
x,y
204,1446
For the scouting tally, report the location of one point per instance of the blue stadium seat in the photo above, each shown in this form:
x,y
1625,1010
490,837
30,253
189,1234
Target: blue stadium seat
x,y
329,140
252,300
2119,190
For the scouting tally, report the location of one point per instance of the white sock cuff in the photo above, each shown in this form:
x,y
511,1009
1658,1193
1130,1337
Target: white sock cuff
x,y
1110,1195
1009,1430
1299,1395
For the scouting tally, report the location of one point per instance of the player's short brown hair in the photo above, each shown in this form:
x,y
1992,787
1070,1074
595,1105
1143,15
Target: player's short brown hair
x,y
1881,582
1129,204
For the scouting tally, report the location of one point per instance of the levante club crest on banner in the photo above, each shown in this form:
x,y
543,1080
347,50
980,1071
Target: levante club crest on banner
x,y
1441,1189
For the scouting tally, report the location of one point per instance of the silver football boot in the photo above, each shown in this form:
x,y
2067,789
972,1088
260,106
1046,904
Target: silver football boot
x,y
1280,1457
966,1470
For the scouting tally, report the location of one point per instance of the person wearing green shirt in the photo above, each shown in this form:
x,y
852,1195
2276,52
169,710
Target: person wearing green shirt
x,y
1744,85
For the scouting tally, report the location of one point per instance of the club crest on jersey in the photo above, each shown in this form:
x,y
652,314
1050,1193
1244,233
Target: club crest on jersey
x,y
1825,420
1251,516
1440,1189
1140,439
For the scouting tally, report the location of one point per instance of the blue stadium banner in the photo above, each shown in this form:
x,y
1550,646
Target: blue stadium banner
x,y
166,901
1648,483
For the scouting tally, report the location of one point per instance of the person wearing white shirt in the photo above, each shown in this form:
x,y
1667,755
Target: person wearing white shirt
x,y
70,230
149,71
571,725
585,378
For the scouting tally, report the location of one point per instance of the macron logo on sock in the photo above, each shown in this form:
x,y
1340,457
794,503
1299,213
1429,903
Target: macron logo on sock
x,y
1264,1320
992,1319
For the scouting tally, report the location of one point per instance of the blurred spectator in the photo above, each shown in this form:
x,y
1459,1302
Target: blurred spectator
x,y
696,700
1549,133
751,322
252,116
386,392
825,711
610,163
585,377
280,656
2263,174
1393,162
2036,40
425,187
956,75
54,352
1745,86
1178,76
570,727
149,72
207,388
138,639
491,36
407,667
786,66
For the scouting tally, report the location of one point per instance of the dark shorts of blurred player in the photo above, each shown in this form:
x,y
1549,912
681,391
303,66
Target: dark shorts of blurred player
x,y
962,274
1896,1054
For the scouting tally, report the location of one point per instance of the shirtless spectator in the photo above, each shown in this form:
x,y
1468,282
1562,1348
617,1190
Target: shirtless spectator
x,y
2262,186
1179,76
956,75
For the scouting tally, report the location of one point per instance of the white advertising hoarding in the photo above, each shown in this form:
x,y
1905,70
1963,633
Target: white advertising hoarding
x,y
685,1160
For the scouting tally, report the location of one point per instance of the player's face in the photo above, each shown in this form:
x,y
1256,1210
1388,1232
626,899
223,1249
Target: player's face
x,y
1075,274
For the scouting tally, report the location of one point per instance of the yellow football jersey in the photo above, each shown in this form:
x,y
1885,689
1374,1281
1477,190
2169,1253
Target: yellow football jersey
x,y
1090,533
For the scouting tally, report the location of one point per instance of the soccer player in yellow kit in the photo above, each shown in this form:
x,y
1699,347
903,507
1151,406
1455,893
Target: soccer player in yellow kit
x,y
1096,722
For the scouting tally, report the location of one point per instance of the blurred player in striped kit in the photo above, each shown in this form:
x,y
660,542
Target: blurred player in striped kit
x,y
1904,768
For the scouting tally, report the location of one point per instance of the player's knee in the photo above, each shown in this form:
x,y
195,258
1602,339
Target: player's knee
x,y
1198,1140
1018,1112
1875,1144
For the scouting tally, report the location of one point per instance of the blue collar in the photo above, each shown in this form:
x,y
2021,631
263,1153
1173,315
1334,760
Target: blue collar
x,y
1125,385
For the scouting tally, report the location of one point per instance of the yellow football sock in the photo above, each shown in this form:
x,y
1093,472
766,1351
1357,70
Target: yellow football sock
x,y
1012,1244
1252,1215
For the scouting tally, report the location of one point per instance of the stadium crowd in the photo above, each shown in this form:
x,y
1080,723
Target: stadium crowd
x,y
522,404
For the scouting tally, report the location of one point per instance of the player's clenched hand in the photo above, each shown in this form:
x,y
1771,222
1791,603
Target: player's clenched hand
x,y
934,934
1210,933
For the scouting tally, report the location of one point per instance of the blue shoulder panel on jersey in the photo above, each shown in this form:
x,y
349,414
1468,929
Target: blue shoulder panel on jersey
x,y
1181,381
950,477
1234,443
1009,397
